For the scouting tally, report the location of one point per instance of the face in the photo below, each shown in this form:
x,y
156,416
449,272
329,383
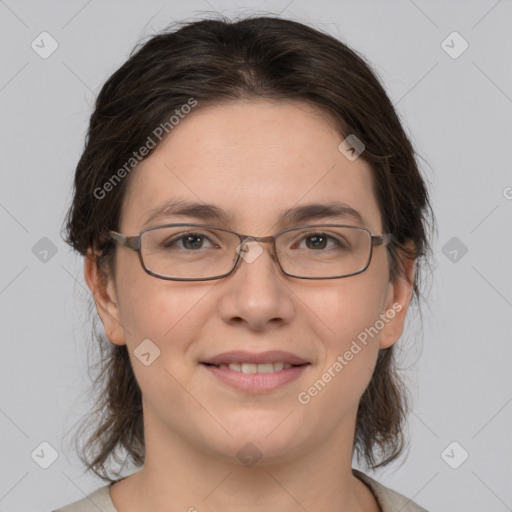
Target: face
x,y
253,160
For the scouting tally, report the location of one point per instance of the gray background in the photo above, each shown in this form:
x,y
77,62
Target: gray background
x,y
458,112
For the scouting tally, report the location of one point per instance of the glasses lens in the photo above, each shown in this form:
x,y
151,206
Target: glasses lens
x,y
324,251
189,252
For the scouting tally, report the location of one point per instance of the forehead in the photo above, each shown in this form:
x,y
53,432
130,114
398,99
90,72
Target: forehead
x,y
254,160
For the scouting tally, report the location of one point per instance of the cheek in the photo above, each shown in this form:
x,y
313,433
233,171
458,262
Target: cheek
x,y
349,327
349,356
168,313
159,320
149,307
347,307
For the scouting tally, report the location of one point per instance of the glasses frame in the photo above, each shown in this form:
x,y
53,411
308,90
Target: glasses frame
x,y
134,243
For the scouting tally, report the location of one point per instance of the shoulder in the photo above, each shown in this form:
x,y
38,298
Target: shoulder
x,y
389,500
97,500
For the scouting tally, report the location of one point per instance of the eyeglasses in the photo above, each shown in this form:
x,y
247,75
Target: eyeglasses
x,y
197,252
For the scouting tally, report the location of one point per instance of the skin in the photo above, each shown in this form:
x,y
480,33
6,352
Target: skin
x,y
269,156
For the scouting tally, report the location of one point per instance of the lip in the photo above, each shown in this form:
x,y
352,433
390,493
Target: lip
x,y
256,382
240,356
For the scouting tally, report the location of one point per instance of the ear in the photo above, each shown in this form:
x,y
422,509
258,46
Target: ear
x,y
397,303
103,290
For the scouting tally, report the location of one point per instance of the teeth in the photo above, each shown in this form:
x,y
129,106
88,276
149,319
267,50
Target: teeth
x,y
256,368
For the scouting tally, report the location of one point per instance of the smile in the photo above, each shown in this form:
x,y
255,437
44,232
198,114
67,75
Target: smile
x,y
255,368
256,378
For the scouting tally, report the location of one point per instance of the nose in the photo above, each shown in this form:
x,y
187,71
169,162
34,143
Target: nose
x,y
256,293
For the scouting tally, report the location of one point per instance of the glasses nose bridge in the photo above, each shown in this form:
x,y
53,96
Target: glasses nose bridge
x,y
245,239
269,238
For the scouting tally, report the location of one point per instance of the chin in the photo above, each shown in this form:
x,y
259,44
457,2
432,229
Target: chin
x,y
263,442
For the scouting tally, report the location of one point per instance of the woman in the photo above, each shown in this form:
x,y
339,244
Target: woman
x,y
253,223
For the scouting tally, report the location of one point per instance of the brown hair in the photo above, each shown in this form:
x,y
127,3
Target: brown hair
x,y
222,60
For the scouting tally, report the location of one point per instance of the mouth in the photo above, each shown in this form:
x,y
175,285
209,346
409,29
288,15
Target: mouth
x,y
249,368
255,373
261,362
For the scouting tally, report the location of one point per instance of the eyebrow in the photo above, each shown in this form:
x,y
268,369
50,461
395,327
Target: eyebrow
x,y
209,212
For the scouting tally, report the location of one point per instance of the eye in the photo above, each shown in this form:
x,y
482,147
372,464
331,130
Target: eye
x,y
189,241
319,241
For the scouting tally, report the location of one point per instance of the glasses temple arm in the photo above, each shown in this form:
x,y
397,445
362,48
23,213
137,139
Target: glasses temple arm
x,y
132,242
382,239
